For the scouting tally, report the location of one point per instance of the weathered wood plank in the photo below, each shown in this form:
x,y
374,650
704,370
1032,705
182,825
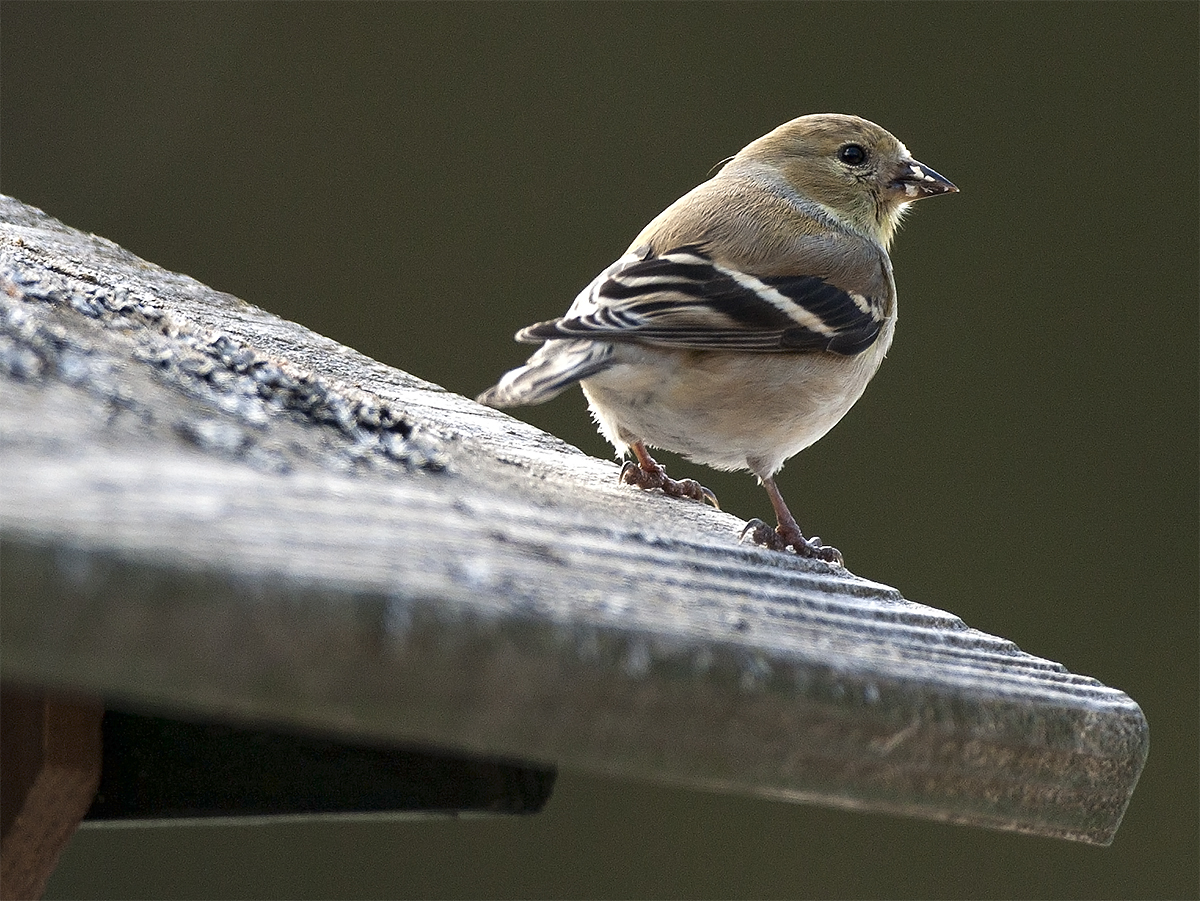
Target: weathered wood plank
x,y
216,511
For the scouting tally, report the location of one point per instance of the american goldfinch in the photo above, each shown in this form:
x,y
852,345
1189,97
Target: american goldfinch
x,y
747,318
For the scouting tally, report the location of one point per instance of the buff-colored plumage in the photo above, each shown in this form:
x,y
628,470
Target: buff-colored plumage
x,y
748,317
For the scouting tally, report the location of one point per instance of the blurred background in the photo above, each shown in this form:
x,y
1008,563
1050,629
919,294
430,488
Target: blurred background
x,y
419,181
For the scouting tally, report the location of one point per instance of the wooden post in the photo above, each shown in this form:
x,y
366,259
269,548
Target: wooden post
x,y
49,770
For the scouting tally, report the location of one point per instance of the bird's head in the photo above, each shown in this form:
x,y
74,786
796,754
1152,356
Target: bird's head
x,y
858,171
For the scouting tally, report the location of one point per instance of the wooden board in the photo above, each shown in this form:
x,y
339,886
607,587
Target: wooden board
x,y
212,510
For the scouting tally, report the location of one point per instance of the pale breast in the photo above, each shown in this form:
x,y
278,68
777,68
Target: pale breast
x,y
725,409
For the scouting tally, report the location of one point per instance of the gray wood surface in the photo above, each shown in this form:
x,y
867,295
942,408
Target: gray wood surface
x,y
208,509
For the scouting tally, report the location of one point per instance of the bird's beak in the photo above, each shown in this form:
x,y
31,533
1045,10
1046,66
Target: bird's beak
x,y
916,180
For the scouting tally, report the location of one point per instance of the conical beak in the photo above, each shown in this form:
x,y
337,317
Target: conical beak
x,y
916,180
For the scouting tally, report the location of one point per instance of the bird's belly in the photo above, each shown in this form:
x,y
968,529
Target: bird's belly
x,y
727,410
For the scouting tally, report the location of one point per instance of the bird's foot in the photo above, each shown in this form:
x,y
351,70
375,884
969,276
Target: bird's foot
x,y
654,475
782,538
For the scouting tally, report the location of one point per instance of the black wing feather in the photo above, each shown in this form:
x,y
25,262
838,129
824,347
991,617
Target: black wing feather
x,y
683,299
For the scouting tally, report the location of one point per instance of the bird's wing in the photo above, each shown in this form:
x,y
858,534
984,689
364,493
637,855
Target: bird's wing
x,y
683,298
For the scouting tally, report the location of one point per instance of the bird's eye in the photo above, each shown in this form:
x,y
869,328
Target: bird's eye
x,y
852,154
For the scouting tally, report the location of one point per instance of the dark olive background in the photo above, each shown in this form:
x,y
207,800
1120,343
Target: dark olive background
x,y
418,181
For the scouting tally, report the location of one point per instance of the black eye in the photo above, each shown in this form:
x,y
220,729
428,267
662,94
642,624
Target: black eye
x,y
852,154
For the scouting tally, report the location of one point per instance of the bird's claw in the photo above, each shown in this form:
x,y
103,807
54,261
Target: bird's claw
x,y
778,539
814,548
689,488
633,474
761,533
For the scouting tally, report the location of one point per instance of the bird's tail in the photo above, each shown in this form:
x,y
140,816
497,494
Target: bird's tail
x,y
556,366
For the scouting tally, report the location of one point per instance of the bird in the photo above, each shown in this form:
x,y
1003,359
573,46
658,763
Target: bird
x,y
746,319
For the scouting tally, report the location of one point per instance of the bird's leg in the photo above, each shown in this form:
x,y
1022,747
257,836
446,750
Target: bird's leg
x,y
787,533
648,473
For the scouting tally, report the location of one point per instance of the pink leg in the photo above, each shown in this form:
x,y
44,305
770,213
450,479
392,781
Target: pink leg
x,y
648,473
787,533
